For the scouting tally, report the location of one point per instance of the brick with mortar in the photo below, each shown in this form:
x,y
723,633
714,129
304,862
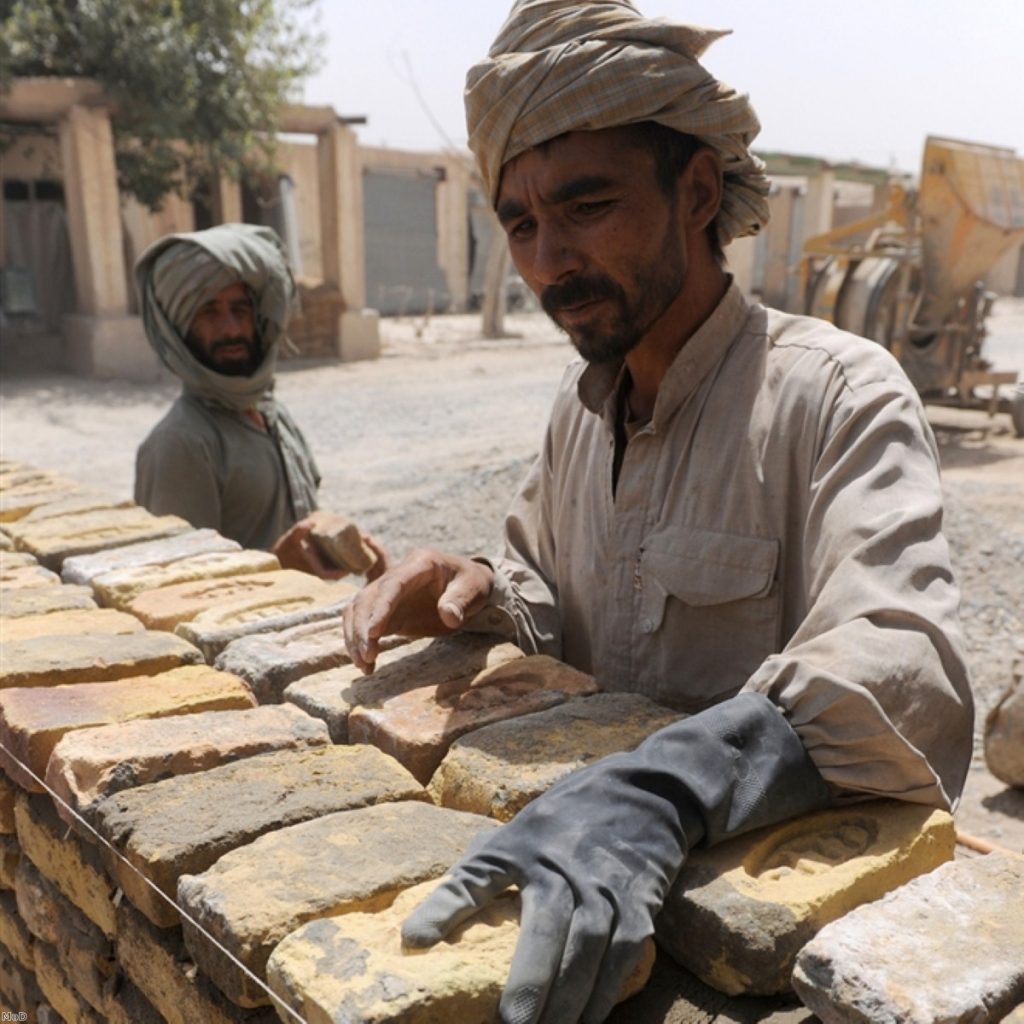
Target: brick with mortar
x,y
34,719
39,902
14,934
90,764
10,854
350,861
18,987
59,991
184,825
757,899
52,661
7,791
418,726
331,695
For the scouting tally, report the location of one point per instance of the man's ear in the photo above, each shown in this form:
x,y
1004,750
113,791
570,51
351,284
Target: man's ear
x,y
701,188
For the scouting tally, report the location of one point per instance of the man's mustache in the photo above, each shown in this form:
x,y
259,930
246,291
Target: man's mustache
x,y
222,343
577,290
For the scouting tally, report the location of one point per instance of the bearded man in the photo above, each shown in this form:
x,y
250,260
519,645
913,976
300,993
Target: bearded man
x,y
736,511
227,455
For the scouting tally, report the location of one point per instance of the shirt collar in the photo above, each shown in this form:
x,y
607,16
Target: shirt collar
x,y
599,383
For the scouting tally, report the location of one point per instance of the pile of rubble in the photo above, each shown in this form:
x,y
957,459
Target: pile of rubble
x,y
207,814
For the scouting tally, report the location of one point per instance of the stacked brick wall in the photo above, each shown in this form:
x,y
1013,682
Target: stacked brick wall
x,y
207,814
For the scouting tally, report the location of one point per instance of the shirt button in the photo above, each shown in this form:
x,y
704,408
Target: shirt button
x,y
647,626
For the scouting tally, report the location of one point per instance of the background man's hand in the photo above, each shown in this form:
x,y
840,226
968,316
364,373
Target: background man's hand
x,y
295,549
428,593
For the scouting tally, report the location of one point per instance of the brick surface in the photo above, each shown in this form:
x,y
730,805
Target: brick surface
x,y
58,990
55,660
85,568
20,577
10,854
69,623
6,544
757,899
946,947
32,478
117,587
39,902
14,934
86,956
340,541
72,866
18,988
353,968
184,825
158,963
7,791
350,861
18,502
234,598
43,600
331,695
14,559
500,768
211,635
74,504
54,540
90,764
270,661
417,727
33,720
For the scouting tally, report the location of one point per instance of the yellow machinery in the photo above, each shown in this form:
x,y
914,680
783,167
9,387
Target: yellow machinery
x,y
910,276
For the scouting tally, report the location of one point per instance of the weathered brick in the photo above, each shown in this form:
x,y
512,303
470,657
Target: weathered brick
x,y
34,719
235,598
946,947
43,600
18,989
56,660
1004,736
39,902
10,854
76,622
6,544
211,634
58,989
74,503
72,866
90,764
499,769
14,934
21,577
354,968
157,961
16,559
18,502
86,956
268,662
54,540
84,568
757,899
331,695
183,825
354,860
119,586
7,791
26,477
340,542
418,726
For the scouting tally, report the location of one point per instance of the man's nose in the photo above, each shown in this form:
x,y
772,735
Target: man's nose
x,y
555,256
232,324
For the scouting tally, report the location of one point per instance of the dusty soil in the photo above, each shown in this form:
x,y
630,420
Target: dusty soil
x,y
426,446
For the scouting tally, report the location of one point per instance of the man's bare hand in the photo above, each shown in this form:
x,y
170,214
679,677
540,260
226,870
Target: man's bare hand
x,y
295,549
428,593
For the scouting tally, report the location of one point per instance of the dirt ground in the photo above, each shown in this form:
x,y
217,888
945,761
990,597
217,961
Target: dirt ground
x,y
426,445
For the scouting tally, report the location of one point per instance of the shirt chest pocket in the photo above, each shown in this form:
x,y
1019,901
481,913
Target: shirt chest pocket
x,y
710,601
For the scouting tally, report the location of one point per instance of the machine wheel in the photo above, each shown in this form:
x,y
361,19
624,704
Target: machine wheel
x,y
1017,409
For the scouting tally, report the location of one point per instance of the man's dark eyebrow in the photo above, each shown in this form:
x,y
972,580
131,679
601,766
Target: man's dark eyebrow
x,y
584,185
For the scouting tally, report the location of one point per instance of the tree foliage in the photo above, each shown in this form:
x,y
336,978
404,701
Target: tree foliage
x,y
196,84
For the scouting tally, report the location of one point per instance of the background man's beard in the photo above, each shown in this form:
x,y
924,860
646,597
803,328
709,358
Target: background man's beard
x,y
229,367
654,289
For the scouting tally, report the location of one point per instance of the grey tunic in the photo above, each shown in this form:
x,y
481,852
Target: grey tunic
x,y
776,527
212,467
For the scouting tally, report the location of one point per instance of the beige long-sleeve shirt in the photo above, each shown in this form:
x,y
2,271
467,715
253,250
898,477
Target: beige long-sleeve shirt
x,y
776,526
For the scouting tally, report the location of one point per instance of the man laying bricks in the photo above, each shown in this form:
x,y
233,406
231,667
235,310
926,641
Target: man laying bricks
x,y
215,305
736,511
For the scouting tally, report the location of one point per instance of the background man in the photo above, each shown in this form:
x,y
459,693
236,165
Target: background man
x,y
228,455
736,512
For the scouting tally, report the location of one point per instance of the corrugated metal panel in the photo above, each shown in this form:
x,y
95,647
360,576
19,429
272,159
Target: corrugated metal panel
x,y
402,272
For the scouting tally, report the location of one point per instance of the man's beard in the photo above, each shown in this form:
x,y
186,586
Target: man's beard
x,y
653,288
244,367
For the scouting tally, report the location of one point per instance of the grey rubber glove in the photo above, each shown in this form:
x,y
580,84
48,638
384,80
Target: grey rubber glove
x,y
594,857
